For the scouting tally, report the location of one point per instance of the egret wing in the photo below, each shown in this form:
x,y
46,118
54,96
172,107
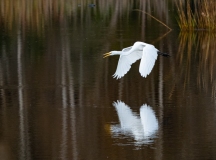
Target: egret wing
x,y
125,62
149,57
125,114
148,120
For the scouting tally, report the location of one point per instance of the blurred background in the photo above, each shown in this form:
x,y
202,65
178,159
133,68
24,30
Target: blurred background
x,y
57,92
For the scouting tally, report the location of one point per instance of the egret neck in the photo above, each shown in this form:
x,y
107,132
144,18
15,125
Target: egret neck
x,y
112,53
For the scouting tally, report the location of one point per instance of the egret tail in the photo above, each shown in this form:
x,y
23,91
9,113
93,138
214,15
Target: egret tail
x,y
163,54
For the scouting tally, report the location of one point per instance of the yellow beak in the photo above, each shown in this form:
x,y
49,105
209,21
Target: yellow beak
x,y
106,55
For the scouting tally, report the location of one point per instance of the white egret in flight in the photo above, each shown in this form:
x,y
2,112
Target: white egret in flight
x,y
142,128
140,50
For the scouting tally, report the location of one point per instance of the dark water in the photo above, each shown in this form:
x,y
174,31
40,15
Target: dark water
x,y
57,92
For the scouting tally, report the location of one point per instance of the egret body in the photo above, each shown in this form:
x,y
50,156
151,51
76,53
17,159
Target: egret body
x,y
140,50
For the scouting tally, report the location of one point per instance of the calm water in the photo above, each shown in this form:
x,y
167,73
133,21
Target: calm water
x,y
58,99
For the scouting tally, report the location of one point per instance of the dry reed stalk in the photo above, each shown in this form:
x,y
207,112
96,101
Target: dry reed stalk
x,y
153,18
202,18
186,20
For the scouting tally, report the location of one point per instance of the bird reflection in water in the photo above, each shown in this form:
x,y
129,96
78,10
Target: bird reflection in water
x,y
143,129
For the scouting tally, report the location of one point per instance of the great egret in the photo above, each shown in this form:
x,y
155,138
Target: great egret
x,y
142,128
140,50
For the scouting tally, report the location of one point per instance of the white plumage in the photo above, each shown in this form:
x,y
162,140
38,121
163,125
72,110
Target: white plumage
x,y
140,50
142,128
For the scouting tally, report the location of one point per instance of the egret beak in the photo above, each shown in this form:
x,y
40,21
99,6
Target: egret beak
x,y
106,55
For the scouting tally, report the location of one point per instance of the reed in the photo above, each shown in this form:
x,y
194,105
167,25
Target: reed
x,y
196,15
153,18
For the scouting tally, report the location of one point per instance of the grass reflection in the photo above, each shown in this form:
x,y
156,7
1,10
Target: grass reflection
x,y
198,48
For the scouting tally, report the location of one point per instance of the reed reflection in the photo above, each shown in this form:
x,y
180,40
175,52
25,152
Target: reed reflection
x,y
142,128
68,129
23,121
199,49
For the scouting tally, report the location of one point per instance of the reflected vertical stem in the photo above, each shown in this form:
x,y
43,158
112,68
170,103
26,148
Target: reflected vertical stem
x,y
160,91
64,106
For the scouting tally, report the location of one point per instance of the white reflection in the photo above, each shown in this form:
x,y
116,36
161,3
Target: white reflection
x,y
142,128
24,149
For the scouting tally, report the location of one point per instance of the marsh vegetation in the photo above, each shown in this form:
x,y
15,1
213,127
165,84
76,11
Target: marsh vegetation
x,y
196,15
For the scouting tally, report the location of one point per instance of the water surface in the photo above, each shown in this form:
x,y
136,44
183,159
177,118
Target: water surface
x,y
57,92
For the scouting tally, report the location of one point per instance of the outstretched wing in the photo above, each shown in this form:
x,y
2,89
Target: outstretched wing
x,y
149,57
125,114
148,120
125,62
